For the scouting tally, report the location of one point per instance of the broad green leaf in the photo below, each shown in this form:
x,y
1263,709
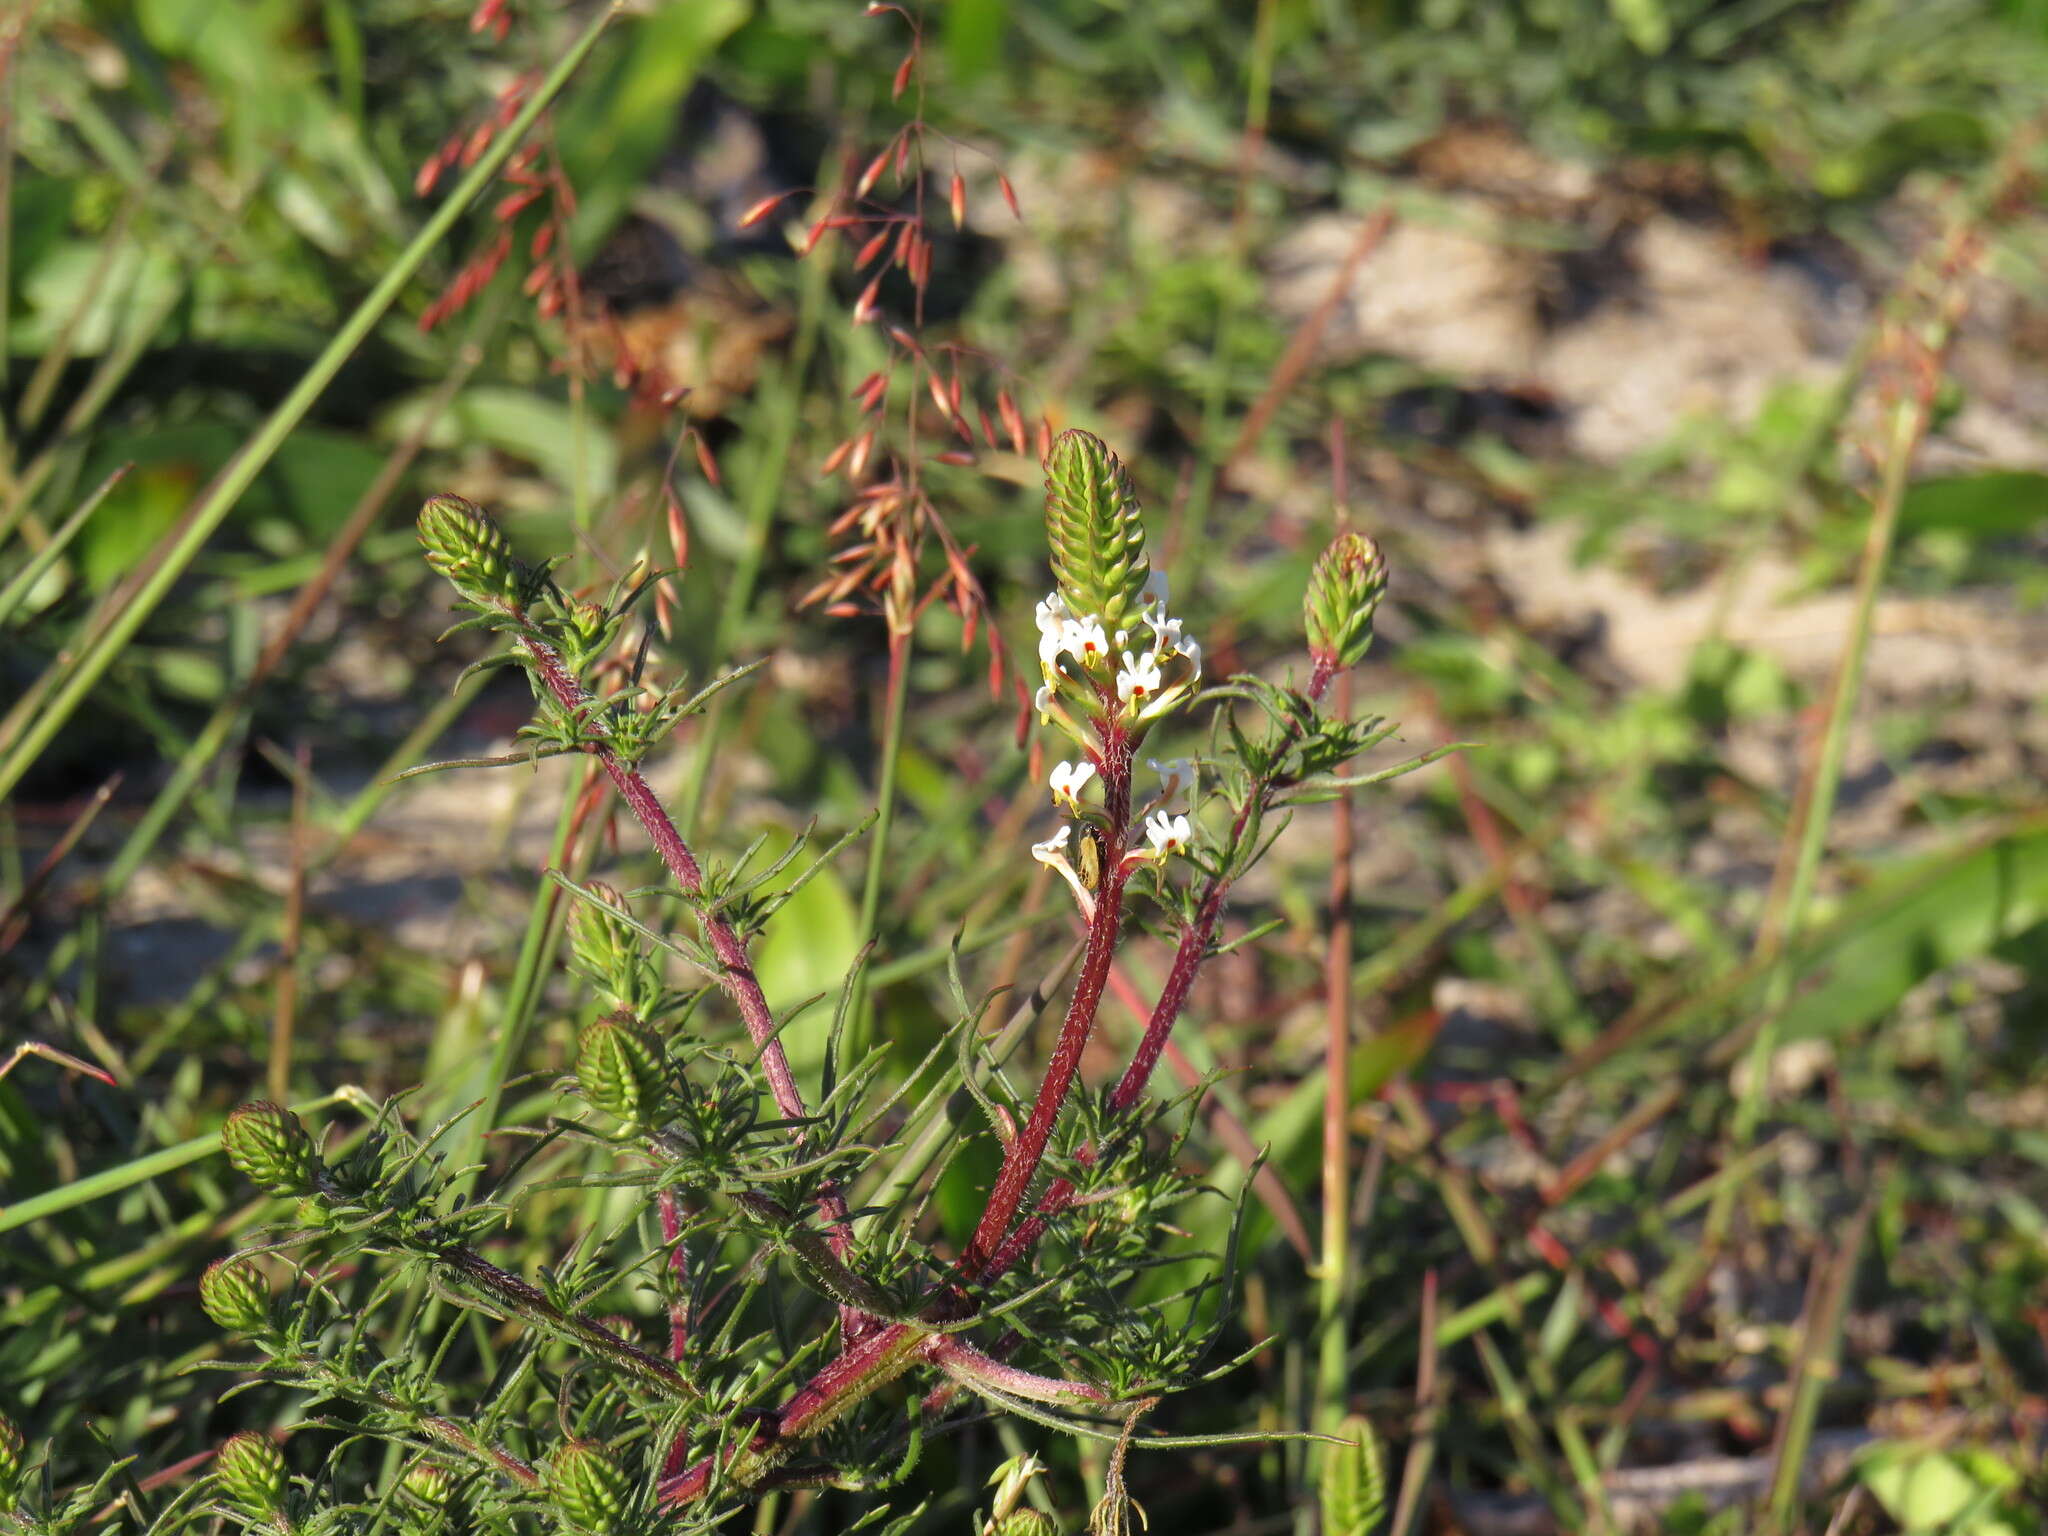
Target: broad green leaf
x,y
1926,1490
541,431
1982,506
807,949
1946,909
622,114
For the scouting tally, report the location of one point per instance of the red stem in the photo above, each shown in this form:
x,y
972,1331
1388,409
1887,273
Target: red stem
x,y
875,1357
679,1264
1027,1150
736,970
1180,980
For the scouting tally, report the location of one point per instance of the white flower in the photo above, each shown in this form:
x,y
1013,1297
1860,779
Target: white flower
x,y
1139,679
1052,613
1049,854
1042,701
1084,637
1068,780
1167,834
1165,633
1175,774
1193,652
1154,591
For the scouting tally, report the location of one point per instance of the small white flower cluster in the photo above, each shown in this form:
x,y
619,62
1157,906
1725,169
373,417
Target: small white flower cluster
x,y
1096,682
1166,831
1149,680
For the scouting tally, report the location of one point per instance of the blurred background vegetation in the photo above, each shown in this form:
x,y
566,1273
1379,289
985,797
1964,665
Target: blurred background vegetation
x,y
1699,1042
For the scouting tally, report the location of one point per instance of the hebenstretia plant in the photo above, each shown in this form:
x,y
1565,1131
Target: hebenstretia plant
x,y
747,1295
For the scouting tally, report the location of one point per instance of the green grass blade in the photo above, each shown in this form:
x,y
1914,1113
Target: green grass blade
x,y
205,516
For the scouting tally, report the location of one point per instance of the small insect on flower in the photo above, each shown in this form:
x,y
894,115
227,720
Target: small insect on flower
x,y
1089,854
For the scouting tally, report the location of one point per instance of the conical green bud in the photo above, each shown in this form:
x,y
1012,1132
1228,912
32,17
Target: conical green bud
x,y
619,1067
1026,1522
588,1487
1094,527
250,1468
268,1144
232,1292
1343,590
464,545
430,1483
13,1456
1353,1480
609,951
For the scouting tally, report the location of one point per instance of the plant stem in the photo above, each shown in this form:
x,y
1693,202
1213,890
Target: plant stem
x,y
857,1032
515,1295
1334,1277
1913,353
1027,1150
736,970
878,1357
1173,997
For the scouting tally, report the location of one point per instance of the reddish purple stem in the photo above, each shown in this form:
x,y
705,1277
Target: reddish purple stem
x,y
877,1354
736,970
1027,1150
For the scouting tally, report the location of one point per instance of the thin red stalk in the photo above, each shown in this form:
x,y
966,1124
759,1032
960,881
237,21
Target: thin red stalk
x,y
964,1362
679,1310
1180,980
1027,1150
879,1356
736,969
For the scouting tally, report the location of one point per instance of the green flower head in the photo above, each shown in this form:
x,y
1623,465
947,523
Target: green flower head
x,y
589,1487
1343,591
269,1145
232,1292
619,1067
1096,531
251,1472
464,545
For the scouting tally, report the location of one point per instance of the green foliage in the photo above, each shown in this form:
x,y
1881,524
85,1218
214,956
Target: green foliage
x,y
554,1234
1354,1481
1344,589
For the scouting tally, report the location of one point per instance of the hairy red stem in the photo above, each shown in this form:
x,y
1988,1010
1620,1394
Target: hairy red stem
x,y
886,1352
736,969
1173,997
1027,1150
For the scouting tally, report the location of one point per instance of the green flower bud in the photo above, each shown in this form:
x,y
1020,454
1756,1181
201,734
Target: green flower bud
x,y
465,546
13,1455
588,1487
1096,532
619,1067
430,1483
232,1292
1026,1522
608,950
1352,1480
1343,590
251,1472
268,1144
